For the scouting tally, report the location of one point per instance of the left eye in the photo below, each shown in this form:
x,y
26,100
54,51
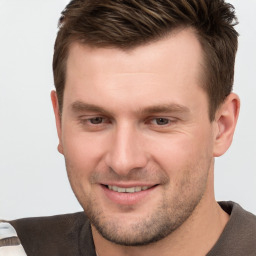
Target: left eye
x,y
96,120
161,121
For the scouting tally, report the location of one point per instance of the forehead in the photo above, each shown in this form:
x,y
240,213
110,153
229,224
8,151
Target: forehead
x,y
180,44
170,66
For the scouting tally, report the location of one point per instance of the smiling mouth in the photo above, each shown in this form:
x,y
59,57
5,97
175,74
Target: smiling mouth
x,y
129,190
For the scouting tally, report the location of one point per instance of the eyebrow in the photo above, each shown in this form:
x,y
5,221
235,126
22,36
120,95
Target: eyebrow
x,y
165,108
79,106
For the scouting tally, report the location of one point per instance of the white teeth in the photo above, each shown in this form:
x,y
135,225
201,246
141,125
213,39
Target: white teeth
x,y
128,190
115,188
120,190
137,189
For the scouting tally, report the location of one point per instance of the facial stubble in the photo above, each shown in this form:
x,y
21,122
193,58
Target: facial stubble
x,y
172,211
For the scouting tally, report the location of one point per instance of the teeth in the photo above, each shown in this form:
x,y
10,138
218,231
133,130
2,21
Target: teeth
x,y
137,189
120,190
127,190
130,190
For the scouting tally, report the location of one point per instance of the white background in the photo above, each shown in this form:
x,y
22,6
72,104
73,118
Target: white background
x,y
33,179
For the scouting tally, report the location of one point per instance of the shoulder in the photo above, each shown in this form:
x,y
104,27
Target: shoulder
x,y
54,235
50,224
240,218
239,235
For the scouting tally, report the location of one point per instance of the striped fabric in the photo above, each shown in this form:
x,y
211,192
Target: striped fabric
x,y
9,242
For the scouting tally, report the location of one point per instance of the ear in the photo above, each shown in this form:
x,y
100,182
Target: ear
x,y
226,119
57,118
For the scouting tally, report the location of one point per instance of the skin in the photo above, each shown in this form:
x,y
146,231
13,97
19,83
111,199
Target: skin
x,y
140,117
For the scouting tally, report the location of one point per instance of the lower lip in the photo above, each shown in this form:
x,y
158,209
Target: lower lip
x,y
127,198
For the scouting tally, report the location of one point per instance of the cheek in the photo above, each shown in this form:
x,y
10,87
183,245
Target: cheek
x,y
187,166
183,151
81,158
81,150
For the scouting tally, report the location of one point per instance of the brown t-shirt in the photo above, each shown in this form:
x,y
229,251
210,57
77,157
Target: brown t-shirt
x,y
70,234
239,236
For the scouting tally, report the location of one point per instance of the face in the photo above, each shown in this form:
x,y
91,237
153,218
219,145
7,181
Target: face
x,y
136,136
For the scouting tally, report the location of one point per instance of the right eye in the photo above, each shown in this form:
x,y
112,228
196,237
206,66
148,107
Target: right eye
x,y
96,120
94,123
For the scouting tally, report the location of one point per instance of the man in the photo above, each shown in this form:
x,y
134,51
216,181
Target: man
x,y
143,105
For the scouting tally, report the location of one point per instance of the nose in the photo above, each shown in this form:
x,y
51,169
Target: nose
x,y
126,151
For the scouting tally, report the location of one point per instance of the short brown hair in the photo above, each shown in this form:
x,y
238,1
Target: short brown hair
x,y
129,23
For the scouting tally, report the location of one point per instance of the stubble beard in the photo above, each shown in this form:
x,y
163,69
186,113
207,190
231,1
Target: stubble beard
x,y
168,216
142,231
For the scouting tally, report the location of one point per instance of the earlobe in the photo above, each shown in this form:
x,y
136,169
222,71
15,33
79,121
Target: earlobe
x,y
226,119
57,118
60,149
